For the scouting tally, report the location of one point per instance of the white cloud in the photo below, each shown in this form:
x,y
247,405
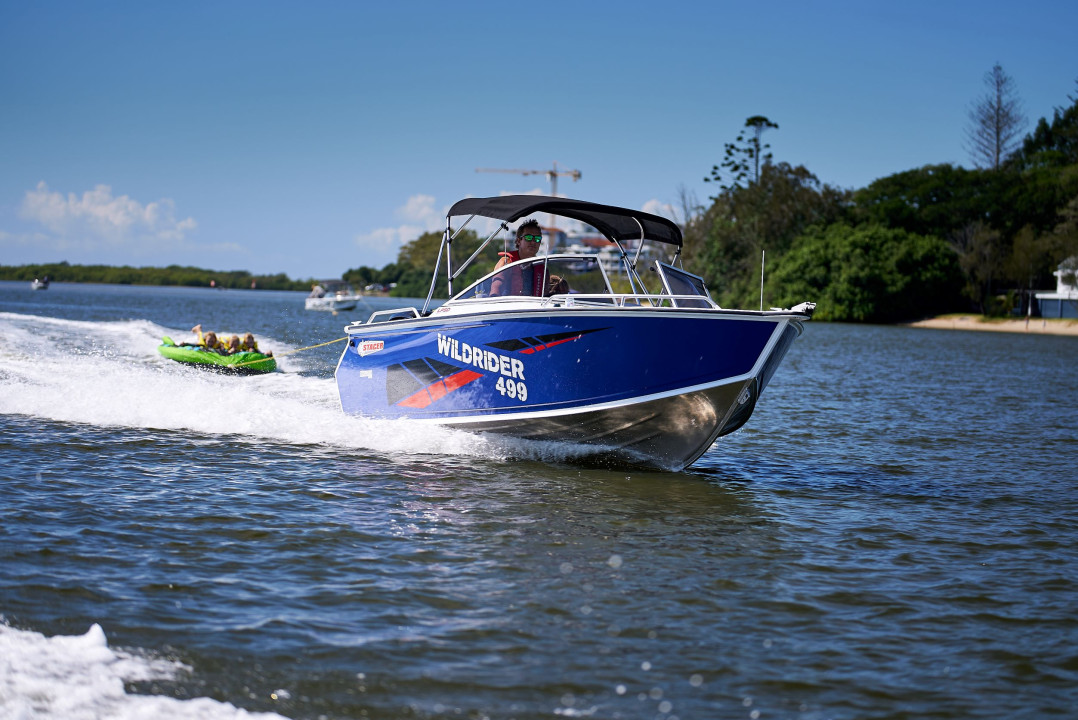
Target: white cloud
x,y
658,207
381,245
420,209
98,219
533,191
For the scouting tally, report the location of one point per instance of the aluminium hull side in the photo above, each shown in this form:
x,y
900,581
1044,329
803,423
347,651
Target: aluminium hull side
x,y
653,384
547,359
668,432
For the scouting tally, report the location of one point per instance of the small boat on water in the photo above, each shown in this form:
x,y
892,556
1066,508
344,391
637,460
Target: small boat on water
x,y
242,363
40,284
649,377
332,295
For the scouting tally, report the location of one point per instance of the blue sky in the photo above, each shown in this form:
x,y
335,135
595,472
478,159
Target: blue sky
x,y
309,138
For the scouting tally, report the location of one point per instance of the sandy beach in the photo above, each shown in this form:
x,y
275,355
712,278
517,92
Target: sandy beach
x,y
1034,326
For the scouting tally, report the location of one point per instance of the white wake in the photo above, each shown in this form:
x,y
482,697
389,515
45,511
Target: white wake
x,y
109,374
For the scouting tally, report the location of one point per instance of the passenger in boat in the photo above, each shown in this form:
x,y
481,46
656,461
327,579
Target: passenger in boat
x,y
529,238
556,286
317,291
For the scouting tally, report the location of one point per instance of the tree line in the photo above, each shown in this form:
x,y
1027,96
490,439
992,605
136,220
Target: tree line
x,y
171,275
412,272
921,242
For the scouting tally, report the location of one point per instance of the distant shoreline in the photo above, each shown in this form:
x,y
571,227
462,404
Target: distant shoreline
x,y
1034,326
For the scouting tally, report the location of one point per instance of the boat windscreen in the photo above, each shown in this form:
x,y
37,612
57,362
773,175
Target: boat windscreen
x,y
679,282
542,277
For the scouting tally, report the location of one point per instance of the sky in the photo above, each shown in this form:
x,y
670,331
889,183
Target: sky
x,y
308,138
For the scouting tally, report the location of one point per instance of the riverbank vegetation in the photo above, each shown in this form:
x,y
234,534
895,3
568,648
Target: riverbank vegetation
x,y
921,242
171,275
412,271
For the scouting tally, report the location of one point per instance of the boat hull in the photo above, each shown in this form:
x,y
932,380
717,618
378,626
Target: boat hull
x,y
332,304
642,386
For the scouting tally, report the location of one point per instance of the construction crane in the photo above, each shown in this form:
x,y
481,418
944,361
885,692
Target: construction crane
x,y
551,175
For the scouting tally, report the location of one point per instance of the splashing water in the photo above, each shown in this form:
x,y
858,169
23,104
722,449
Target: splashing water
x,y
110,374
79,677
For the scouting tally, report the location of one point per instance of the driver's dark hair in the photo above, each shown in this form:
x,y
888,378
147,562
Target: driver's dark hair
x,y
531,223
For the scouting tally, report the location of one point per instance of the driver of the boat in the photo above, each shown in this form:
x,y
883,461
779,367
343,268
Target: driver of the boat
x,y
529,237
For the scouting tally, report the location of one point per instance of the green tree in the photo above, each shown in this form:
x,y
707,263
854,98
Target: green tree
x,y
1051,144
981,254
362,276
416,261
1029,258
949,202
724,243
931,200
744,155
867,273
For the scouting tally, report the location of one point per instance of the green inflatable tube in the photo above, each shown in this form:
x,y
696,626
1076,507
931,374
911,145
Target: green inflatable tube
x,y
240,363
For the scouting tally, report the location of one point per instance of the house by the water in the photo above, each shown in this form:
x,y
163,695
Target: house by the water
x,y
1063,303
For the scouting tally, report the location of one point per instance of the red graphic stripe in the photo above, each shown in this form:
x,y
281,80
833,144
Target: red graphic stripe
x,y
537,348
435,392
417,400
460,379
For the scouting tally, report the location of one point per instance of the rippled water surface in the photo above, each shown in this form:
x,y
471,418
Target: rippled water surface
x,y
893,535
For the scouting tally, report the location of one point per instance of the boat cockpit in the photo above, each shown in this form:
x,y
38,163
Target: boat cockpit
x,y
582,279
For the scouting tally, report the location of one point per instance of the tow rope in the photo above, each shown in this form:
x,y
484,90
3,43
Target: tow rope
x,y
290,352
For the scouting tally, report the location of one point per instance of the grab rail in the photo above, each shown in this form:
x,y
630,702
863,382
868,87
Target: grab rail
x,y
412,310
637,299
592,300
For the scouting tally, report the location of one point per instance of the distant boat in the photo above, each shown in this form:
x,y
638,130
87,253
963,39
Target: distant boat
x,y
332,295
42,284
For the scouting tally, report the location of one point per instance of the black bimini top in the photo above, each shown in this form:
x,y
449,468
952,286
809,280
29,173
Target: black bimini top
x,y
616,223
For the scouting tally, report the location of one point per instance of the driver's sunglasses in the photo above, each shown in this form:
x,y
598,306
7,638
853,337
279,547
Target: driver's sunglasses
x,y
532,238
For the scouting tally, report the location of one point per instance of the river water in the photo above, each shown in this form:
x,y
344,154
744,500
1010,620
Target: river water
x,y
893,535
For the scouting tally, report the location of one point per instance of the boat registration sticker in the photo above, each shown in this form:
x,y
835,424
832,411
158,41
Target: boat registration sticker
x,y
367,347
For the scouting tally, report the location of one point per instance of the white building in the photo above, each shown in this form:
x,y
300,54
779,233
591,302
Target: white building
x,y
1063,303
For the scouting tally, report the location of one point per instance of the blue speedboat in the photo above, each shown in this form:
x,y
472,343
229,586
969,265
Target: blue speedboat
x,y
545,349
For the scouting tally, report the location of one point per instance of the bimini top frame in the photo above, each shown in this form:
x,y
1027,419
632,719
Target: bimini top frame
x,y
615,223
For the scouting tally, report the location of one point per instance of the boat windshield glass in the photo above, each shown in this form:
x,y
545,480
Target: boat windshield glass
x,y
542,277
678,282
